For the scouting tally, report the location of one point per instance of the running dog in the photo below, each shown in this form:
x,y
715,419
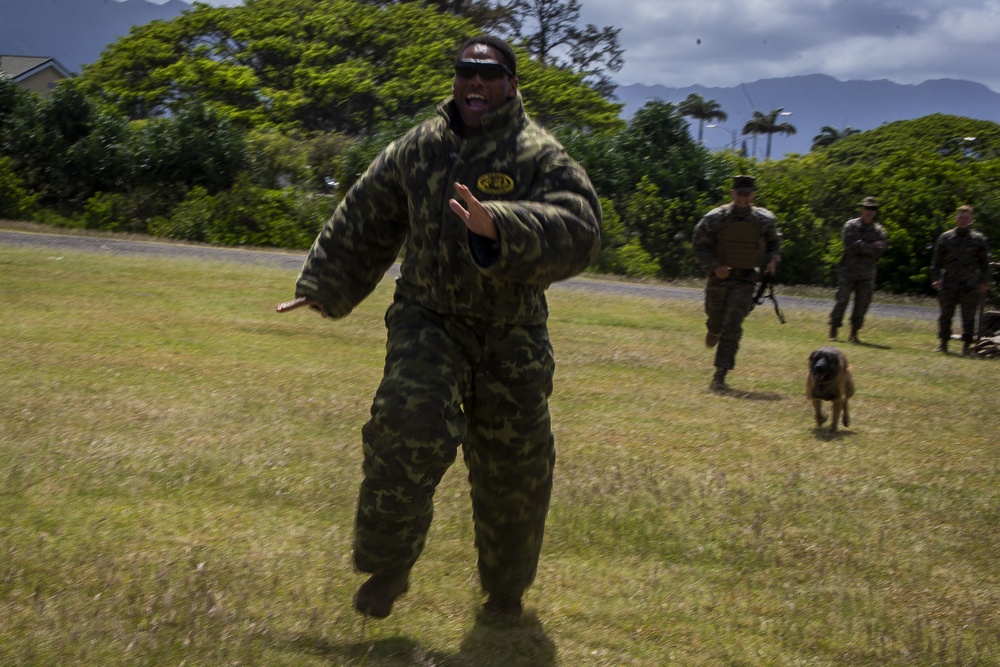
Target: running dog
x,y
830,379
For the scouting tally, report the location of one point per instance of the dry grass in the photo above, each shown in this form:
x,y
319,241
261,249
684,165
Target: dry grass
x,y
178,470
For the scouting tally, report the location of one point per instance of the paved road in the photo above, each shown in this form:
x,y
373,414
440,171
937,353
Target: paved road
x,y
293,261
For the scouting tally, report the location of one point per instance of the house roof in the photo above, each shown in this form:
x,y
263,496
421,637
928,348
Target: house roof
x,y
19,68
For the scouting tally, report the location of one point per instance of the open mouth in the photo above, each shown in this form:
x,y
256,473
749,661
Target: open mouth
x,y
475,102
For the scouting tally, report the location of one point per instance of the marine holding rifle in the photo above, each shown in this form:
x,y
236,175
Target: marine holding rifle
x,y
730,243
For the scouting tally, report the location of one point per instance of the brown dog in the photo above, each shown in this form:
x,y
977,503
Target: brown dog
x,y
830,379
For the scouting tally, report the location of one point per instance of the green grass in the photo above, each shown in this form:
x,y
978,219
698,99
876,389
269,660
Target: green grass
x,y
179,466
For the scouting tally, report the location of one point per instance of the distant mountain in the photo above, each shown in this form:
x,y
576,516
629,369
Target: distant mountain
x,y
816,100
74,32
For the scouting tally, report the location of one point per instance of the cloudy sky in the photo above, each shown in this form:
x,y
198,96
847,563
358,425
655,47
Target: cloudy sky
x,y
722,43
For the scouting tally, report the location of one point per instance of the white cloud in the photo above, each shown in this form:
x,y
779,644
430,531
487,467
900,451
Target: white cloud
x,y
907,41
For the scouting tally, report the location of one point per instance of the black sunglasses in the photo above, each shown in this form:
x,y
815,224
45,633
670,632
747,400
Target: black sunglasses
x,y
488,70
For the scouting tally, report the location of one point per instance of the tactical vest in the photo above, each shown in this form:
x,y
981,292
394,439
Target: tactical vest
x,y
740,243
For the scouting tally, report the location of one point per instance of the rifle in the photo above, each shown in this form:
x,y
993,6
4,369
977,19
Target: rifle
x,y
767,285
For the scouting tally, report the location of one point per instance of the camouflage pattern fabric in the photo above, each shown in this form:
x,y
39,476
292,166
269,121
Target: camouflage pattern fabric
x,y
546,211
709,230
857,270
961,261
951,297
449,382
468,354
728,301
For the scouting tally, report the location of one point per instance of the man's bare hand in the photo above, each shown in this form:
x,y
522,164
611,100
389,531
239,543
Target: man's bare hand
x,y
298,302
476,217
721,271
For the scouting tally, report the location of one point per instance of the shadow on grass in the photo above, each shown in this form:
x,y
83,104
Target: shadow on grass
x,y
505,643
874,346
750,395
490,643
823,433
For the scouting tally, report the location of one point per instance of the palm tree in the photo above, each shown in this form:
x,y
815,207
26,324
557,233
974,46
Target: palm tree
x,y
696,106
767,123
829,135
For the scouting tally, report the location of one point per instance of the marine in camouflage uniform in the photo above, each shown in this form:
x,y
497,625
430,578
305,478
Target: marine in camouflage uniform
x,y
864,242
730,243
468,356
960,270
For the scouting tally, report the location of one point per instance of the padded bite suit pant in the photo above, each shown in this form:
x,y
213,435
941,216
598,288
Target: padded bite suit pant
x,y
450,382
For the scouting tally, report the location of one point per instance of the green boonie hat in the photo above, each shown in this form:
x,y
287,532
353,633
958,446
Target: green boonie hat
x,y
744,183
869,202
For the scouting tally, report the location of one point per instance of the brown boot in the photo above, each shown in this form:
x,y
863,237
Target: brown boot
x,y
942,346
377,595
833,332
854,336
712,339
719,380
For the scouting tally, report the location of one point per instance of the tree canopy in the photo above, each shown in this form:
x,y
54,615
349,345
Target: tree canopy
x,y
767,123
312,65
829,135
548,30
697,107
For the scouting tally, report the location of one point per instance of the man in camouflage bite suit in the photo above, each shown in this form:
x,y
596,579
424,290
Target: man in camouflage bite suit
x,y
468,356
730,243
960,270
864,243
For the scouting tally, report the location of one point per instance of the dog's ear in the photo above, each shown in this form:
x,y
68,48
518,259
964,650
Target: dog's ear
x,y
813,357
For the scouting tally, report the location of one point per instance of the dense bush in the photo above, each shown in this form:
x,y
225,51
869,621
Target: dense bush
x,y
15,201
247,215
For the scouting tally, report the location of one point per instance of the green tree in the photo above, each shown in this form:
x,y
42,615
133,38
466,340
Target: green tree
x,y
556,96
198,147
805,236
493,18
71,149
829,135
661,183
548,30
15,201
315,65
697,107
310,66
656,145
767,123
18,117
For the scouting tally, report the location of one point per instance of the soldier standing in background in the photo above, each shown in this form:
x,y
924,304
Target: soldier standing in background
x,y
730,243
468,356
960,269
864,242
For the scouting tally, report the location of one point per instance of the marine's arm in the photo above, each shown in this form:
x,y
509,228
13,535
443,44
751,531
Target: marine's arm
x,y
772,244
551,234
703,243
357,245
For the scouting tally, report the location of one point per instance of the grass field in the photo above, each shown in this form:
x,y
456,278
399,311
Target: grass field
x,y
179,466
